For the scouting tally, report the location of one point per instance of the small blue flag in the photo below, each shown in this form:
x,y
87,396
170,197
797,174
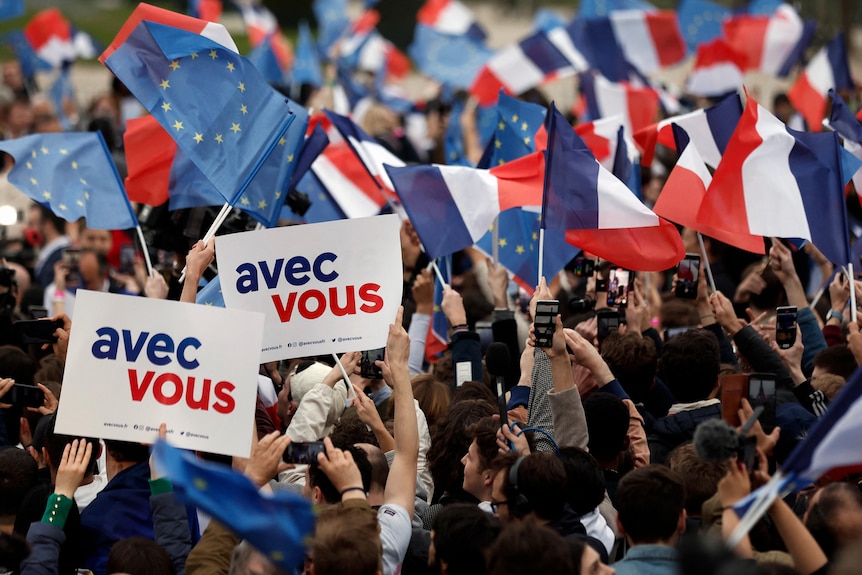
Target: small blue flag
x,y
597,8
265,59
546,20
763,7
438,332
10,9
277,525
26,55
627,171
517,124
61,92
213,102
313,146
448,59
306,62
700,21
332,21
73,175
211,294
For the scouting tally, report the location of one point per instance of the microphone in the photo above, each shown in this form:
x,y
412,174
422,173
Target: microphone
x,y
715,441
497,361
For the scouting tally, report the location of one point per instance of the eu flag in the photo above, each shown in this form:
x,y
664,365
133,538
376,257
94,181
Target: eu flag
x,y
26,55
72,174
211,294
323,208
438,332
700,21
448,59
306,64
332,22
215,104
10,9
517,124
277,525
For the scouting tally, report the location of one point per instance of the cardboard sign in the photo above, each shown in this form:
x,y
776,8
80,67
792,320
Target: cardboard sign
x,y
134,363
324,288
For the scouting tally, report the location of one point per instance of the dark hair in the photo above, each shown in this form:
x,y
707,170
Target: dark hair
x,y
46,215
349,430
585,482
526,547
699,477
15,363
463,533
18,473
127,451
484,432
433,397
633,361
823,515
139,556
444,369
542,481
837,360
689,365
678,313
346,541
450,441
101,260
319,479
474,390
379,466
649,503
608,425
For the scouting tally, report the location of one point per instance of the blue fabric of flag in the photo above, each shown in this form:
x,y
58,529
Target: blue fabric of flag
x,y
10,9
448,59
62,91
213,102
306,62
596,40
763,7
264,59
332,21
189,187
277,525
517,124
545,20
809,27
571,179
323,208
843,121
453,139
627,171
539,49
837,53
594,8
313,146
439,329
700,21
211,294
72,174
26,55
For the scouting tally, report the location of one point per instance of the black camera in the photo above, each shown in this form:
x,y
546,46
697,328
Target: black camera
x,y
582,304
298,202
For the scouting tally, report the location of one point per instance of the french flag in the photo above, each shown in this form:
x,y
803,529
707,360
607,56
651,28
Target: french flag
x,y
209,10
716,70
348,182
540,58
50,36
450,17
772,44
259,22
601,138
709,128
842,120
777,182
597,211
650,40
638,107
452,207
828,70
212,30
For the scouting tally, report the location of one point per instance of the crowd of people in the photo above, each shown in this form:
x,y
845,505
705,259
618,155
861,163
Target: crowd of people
x,y
593,471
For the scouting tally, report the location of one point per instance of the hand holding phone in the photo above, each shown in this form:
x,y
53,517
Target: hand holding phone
x,y
687,274
761,392
785,326
38,330
607,322
620,283
367,368
545,322
303,452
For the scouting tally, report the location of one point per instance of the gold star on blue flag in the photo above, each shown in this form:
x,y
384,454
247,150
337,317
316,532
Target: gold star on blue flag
x,y
207,96
517,124
73,174
211,294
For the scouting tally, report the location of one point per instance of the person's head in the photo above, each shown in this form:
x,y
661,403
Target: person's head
x,y
94,269
13,77
350,430
473,390
379,468
585,559
608,424
699,477
533,486
650,506
52,451
19,118
346,542
525,547
782,107
49,225
433,397
829,384
99,241
689,365
478,476
834,517
450,441
585,482
633,361
18,474
247,560
139,556
460,538
835,360
127,451
320,489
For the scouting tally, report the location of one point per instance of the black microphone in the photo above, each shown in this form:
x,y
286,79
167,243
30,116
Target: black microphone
x,y
497,361
715,441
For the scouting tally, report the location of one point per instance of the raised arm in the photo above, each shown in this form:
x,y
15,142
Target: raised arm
x,y
197,260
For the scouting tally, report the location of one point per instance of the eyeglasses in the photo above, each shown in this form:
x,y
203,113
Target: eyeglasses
x,y
495,505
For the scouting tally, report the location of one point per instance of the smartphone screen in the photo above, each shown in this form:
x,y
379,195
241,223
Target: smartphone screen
x,y
761,391
303,452
607,322
785,327
27,395
545,321
619,285
367,367
687,276
38,330
584,267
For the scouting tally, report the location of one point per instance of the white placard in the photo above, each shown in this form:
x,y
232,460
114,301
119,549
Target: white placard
x,y
324,288
134,363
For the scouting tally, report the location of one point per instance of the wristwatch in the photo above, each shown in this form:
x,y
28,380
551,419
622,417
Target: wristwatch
x,y
836,314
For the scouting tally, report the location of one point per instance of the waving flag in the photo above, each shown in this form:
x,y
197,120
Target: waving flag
x,y
71,173
595,8
601,137
596,40
841,120
518,123
626,169
597,211
452,207
209,10
450,17
259,22
332,21
716,70
772,44
437,340
211,294
26,56
10,9
228,125
638,106
306,67
451,60
61,94
709,128
650,40
51,37
777,182
275,524
273,59
342,175
828,70
700,21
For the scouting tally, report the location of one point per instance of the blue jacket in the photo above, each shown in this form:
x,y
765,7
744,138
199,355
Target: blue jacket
x,y
649,560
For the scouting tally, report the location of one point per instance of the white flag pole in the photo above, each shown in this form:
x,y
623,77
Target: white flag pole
x,y
217,222
706,263
145,250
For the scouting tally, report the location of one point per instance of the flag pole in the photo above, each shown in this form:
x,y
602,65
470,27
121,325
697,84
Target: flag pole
x,y
541,254
145,250
852,279
437,272
706,263
495,241
217,222
346,378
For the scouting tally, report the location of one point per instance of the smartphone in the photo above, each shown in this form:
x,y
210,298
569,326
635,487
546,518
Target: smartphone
x,y
601,285
607,322
303,452
26,395
38,330
620,282
127,259
71,261
584,267
785,326
687,276
37,311
761,391
672,331
545,321
734,387
367,367
486,334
